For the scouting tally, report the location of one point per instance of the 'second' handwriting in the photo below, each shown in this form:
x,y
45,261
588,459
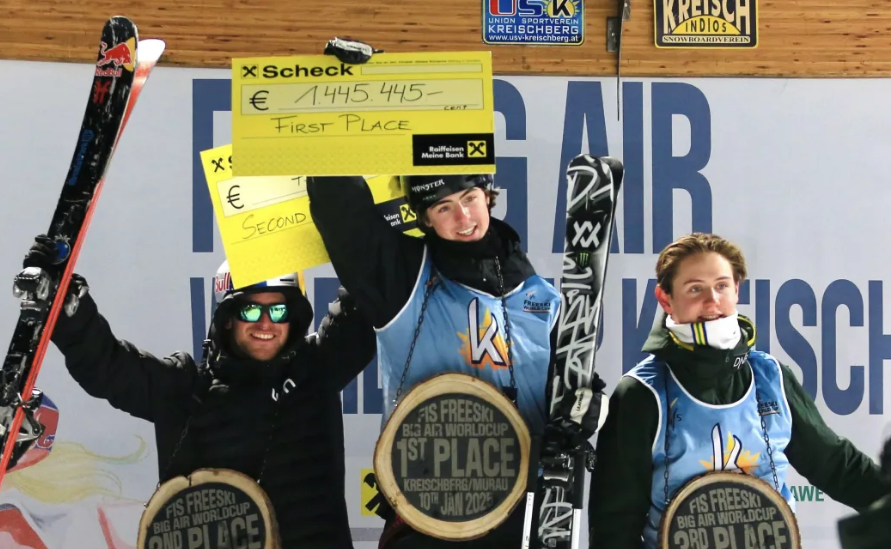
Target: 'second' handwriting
x,y
253,229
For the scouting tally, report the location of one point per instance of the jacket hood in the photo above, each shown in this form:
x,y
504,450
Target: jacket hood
x,y
473,263
228,366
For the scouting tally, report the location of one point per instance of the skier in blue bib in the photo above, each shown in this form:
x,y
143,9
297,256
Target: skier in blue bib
x,y
464,298
709,401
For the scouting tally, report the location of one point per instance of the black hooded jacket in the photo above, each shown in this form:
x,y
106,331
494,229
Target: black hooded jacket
x,y
281,420
379,265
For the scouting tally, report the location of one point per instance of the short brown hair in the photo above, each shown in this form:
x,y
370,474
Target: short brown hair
x,y
492,194
697,243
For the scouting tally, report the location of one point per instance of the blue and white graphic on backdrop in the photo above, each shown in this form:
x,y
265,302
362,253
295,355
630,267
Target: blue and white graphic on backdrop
x,y
789,169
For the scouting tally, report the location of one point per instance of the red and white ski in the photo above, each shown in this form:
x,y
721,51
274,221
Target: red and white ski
x,y
122,67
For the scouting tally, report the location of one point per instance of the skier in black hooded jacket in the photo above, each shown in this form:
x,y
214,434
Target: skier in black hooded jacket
x,y
264,401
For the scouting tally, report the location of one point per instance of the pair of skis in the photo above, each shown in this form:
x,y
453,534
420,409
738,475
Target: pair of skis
x,y
122,67
593,186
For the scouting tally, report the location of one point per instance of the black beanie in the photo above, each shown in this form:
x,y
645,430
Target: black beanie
x,y
422,191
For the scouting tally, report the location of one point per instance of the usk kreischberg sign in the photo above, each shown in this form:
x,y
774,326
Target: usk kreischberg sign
x,y
542,22
706,23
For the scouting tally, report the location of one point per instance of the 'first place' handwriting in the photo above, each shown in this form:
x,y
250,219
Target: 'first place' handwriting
x,y
344,123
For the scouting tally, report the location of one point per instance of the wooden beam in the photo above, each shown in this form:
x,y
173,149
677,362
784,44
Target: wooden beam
x,y
798,38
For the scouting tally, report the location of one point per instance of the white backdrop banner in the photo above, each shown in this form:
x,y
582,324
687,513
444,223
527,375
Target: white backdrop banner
x,y
792,170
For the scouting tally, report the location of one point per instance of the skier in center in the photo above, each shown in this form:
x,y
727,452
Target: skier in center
x,y
464,298
467,268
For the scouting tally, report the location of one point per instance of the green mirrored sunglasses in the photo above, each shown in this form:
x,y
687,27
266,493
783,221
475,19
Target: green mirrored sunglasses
x,y
251,312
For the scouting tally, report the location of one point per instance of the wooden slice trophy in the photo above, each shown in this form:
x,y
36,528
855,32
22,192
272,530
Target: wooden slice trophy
x,y
453,457
728,510
210,508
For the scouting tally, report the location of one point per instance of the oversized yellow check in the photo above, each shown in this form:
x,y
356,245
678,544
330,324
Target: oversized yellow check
x,y
400,113
265,223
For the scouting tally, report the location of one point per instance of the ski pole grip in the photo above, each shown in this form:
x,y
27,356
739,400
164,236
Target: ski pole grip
x,y
530,520
578,476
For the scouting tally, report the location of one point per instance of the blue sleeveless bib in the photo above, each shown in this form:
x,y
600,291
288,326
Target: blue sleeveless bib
x,y
705,437
464,332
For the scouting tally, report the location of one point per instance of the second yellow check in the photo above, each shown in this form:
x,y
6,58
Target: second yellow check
x,y
400,113
265,222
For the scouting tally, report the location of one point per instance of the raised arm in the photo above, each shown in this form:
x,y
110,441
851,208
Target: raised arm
x,y
345,341
129,378
377,264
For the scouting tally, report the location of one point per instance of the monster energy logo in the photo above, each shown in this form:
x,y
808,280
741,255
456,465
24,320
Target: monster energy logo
x,y
584,257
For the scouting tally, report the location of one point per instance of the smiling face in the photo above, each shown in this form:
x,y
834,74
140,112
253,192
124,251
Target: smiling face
x,y
698,277
461,216
264,339
702,289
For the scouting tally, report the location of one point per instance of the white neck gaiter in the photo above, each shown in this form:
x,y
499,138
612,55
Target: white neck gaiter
x,y
722,333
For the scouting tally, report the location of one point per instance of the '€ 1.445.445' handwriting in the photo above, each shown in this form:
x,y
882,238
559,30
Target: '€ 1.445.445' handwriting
x,y
365,92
